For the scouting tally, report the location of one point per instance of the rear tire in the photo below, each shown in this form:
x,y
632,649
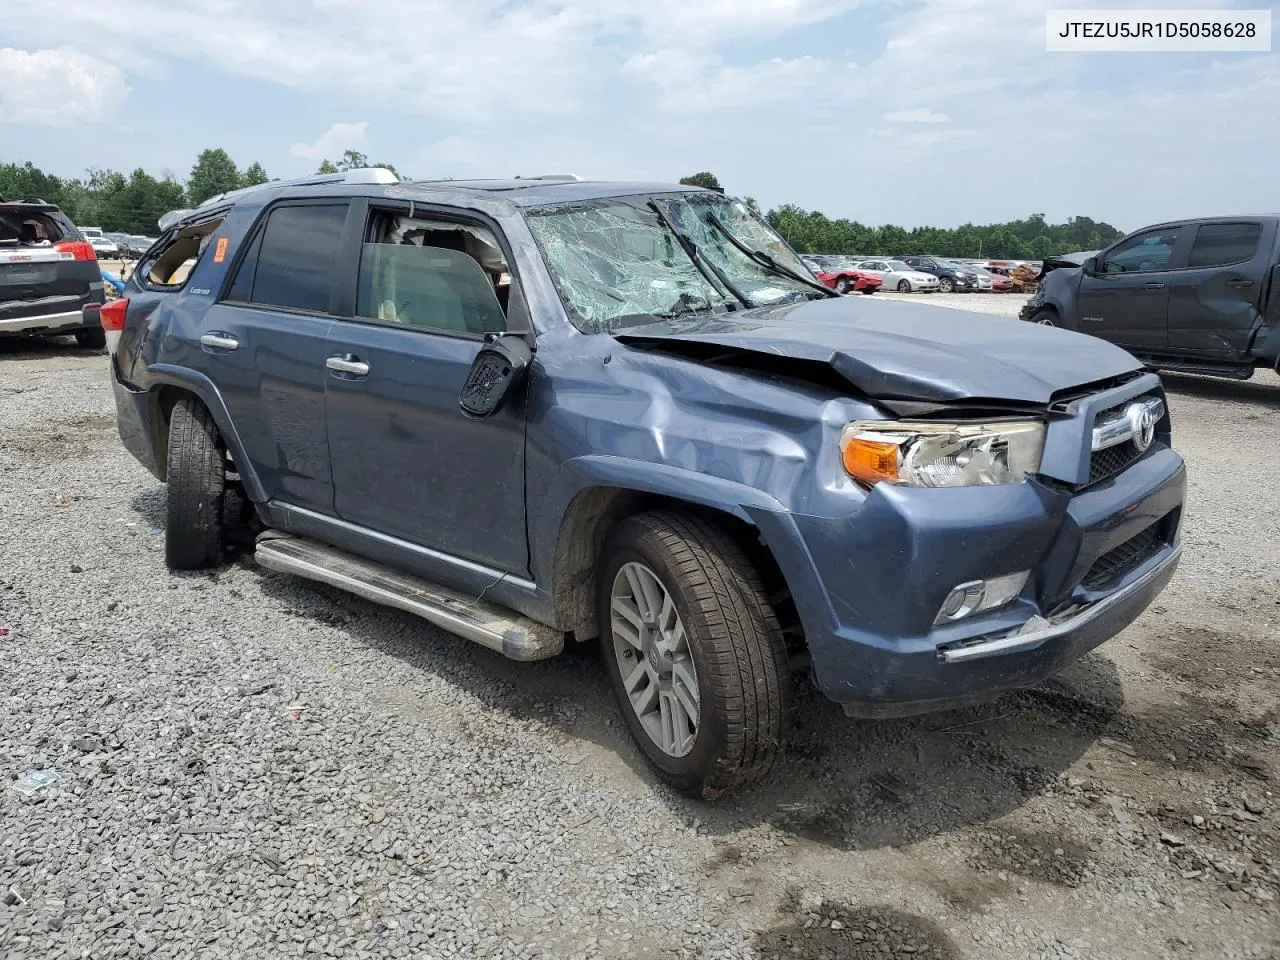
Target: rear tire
x,y
93,339
904,286
843,285
197,480
727,644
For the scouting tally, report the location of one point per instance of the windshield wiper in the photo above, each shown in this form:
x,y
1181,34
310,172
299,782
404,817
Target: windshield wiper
x,y
708,269
766,261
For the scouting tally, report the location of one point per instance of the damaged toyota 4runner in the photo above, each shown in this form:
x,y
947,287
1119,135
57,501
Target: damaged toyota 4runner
x,y
542,410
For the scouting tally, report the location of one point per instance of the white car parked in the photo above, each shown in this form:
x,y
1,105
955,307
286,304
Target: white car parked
x,y
900,276
104,247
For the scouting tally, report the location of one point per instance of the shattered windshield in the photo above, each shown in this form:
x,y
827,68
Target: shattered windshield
x,y
616,262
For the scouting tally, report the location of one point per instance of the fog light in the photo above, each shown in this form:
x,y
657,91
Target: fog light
x,y
980,596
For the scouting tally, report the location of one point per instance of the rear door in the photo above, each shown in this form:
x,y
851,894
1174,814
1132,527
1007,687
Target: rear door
x,y
264,347
1213,303
1126,300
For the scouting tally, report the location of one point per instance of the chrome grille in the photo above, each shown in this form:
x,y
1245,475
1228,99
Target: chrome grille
x,y
1117,454
1114,564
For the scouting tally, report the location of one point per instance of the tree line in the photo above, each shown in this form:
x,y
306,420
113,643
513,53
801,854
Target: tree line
x,y
132,203
810,231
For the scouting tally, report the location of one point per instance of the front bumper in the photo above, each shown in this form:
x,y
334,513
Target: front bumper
x,y
869,585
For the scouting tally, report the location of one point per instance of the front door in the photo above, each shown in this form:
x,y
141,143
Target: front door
x,y
1126,299
264,347
406,461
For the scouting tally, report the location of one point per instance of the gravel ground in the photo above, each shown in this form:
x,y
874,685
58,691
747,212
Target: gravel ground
x,y
255,766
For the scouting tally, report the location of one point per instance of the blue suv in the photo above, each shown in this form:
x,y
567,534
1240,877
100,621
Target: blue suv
x,y
538,411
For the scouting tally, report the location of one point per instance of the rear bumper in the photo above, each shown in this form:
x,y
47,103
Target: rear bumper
x,y
133,420
50,323
868,586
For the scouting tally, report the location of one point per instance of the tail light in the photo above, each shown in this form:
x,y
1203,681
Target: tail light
x,y
112,314
78,249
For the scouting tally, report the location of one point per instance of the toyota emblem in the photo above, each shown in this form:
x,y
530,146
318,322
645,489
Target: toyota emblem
x,y
1142,420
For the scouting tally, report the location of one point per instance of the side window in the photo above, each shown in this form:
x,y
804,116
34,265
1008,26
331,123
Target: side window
x,y
434,275
1145,253
297,253
176,256
1222,244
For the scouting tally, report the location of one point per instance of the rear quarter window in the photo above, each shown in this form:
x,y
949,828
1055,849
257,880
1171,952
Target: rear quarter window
x,y
176,255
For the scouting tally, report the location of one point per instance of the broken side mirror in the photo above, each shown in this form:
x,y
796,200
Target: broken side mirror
x,y
496,371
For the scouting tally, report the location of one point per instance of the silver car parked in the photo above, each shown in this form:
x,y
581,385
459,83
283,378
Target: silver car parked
x,y
900,276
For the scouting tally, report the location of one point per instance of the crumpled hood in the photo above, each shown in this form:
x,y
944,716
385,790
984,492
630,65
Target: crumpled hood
x,y
894,349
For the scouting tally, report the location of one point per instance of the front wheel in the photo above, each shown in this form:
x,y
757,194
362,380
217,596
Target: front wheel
x,y
1045,318
843,285
693,650
904,286
946,285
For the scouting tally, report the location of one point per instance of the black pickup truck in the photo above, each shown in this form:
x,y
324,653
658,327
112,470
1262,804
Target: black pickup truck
x,y
1197,296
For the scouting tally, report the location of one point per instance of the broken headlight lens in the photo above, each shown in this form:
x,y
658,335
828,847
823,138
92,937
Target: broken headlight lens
x,y
927,454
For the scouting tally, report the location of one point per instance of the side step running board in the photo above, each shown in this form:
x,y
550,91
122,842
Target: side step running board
x,y
491,626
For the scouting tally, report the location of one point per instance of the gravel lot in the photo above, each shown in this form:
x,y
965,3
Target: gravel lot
x,y
255,766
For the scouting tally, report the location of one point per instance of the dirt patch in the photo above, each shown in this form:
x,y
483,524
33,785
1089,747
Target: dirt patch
x,y
1036,854
836,931
76,439
1212,660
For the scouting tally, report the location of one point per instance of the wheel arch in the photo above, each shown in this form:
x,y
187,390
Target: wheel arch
x,y
171,384
596,509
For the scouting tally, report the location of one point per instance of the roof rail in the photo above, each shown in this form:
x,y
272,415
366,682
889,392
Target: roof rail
x,y
367,175
570,177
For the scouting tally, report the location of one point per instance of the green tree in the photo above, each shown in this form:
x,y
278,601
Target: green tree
x,y
214,173
704,179
326,166
253,175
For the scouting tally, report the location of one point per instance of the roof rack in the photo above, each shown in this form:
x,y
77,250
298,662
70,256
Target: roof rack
x,y
364,175
360,175
569,177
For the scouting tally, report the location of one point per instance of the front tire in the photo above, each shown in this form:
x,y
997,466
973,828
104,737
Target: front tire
x,y
197,480
843,285
946,285
694,652
1045,318
904,286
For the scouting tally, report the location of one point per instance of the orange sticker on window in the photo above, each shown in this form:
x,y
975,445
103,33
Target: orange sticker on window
x,y
220,251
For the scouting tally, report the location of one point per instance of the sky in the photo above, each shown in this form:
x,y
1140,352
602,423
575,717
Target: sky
x,y
913,112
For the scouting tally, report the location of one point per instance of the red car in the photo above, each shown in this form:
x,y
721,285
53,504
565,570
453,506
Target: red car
x,y
844,279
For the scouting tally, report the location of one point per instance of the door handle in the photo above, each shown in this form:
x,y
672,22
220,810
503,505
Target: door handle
x,y
349,365
1153,286
1239,283
219,341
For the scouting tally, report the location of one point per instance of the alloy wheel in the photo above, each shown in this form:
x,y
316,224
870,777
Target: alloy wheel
x,y
654,659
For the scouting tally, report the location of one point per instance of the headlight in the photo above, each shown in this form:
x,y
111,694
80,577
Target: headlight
x,y
927,454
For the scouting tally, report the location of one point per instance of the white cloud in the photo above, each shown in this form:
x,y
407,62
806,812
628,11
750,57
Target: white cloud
x,y
920,115
701,83
339,137
57,88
